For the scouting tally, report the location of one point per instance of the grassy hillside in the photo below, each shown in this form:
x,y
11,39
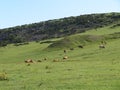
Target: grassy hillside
x,y
88,68
39,50
57,28
89,37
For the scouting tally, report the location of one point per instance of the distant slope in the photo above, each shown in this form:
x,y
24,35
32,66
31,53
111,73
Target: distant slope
x,y
89,37
57,28
75,41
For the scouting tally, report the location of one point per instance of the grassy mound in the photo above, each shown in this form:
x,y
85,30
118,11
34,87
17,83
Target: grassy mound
x,y
76,40
89,37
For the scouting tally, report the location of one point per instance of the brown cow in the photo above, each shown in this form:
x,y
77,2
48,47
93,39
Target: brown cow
x,y
65,51
101,46
65,57
80,46
55,60
29,61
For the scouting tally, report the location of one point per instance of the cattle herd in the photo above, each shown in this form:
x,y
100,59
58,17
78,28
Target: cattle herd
x,y
102,45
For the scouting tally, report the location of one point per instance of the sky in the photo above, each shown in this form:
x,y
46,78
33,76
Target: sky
x,y
20,12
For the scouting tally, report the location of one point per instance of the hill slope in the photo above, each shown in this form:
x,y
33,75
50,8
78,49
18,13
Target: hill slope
x,y
88,68
53,48
56,28
89,37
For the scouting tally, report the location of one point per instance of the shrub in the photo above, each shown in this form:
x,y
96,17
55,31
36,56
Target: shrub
x,y
3,44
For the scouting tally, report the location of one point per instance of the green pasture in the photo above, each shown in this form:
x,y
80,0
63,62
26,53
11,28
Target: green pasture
x,y
88,68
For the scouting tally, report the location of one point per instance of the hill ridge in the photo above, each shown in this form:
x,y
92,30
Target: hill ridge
x,y
56,28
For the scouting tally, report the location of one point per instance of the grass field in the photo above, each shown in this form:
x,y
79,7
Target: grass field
x,y
88,68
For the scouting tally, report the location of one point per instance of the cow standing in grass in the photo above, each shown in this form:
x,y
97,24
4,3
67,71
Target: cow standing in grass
x,y
65,57
101,46
29,61
65,51
80,46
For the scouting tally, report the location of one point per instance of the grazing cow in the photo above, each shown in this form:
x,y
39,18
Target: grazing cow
x,y
29,61
65,57
65,51
101,46
80,46
71,48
